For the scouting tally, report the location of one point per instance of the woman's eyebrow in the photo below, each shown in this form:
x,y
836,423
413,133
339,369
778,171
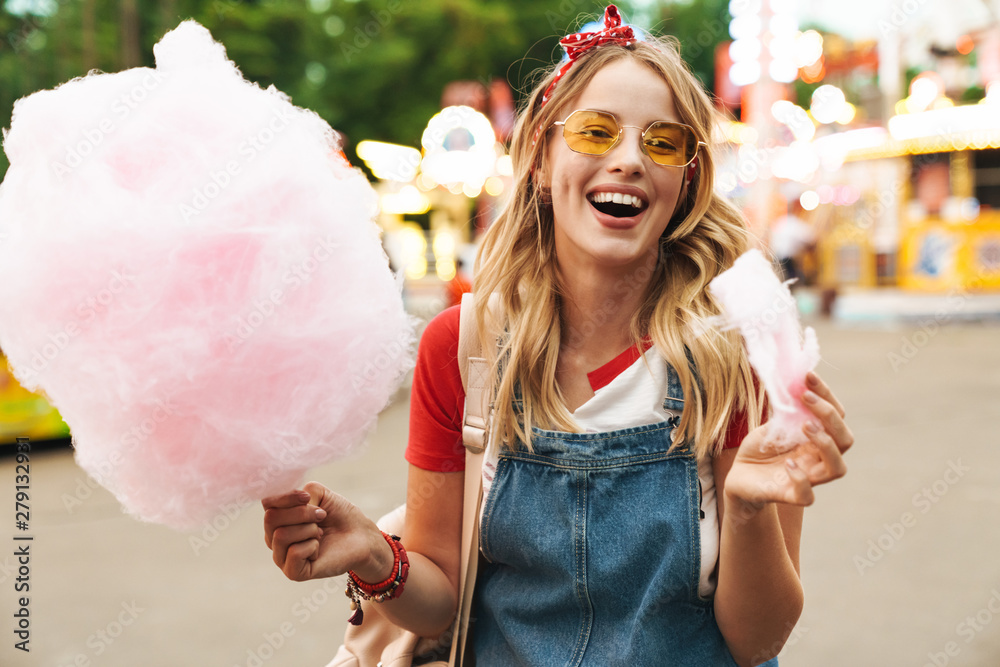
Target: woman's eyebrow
x,y
667,117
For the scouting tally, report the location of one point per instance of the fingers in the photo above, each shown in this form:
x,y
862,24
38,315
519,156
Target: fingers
x,y
830,465
279,517
831,417
317,493
285,500
799,490
299,562
287,537
749,487
821,389
312,492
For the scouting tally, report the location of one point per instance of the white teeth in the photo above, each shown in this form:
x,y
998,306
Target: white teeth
x,y
617,198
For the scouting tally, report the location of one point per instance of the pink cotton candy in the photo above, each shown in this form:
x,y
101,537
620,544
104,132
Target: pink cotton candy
x,y
191,272
761,306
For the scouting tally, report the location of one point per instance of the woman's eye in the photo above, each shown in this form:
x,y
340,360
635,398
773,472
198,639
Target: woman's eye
x,y
595,133
661,146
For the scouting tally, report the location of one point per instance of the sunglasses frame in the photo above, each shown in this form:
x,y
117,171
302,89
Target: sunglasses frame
x,y
642,142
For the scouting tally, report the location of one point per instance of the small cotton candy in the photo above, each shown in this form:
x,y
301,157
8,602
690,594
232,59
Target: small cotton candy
x,y
754,300
190,270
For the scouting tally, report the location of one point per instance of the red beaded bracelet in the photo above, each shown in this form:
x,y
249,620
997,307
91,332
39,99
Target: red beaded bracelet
x,y
390,589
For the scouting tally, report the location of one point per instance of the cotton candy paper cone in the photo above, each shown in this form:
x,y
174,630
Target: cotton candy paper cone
x,y
762,307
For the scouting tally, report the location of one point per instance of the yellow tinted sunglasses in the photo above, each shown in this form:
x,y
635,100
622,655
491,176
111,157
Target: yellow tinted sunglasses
x,y
596,132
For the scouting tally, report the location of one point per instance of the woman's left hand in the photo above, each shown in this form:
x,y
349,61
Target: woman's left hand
x,y
761,475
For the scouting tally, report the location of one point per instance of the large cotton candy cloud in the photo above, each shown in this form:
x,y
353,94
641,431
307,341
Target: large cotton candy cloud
x,y
761,306
191,272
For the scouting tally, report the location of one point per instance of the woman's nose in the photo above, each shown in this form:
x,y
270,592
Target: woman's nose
x,y
627,155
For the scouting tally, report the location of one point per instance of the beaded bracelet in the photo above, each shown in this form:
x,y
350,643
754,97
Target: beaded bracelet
x,y
390,589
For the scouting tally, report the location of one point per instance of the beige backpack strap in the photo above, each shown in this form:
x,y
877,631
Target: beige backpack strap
x,y
475,371
470,552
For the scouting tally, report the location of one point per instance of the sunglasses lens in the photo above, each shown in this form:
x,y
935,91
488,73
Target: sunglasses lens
x,y
590,132
670,143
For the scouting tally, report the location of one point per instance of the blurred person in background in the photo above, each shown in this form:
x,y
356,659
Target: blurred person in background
x,y
458,285
791,236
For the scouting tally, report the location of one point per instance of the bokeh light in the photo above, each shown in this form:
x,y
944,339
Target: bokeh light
x,y
809,200
827,103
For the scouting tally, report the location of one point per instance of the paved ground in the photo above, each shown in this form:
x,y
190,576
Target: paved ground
x,y
899,558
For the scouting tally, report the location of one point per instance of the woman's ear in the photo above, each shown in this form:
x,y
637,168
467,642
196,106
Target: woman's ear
x,y
539,175
540,179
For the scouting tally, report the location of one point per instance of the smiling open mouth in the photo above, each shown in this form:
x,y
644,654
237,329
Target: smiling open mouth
x,y
616,204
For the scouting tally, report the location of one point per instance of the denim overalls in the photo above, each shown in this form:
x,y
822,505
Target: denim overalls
x,y
592,554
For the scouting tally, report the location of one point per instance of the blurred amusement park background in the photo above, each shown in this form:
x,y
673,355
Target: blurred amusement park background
x,y
862,140
860,137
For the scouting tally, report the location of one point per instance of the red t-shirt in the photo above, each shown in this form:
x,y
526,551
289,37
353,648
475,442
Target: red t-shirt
x,y
437,398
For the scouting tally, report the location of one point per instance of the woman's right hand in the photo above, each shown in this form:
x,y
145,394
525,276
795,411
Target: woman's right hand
x,y
314,533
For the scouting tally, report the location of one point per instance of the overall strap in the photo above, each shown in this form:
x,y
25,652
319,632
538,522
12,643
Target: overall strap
x,y
475,371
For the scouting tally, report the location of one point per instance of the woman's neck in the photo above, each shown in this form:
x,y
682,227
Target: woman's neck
x,y
597,308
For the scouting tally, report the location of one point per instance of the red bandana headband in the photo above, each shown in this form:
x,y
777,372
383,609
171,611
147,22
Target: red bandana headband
x,y
579,43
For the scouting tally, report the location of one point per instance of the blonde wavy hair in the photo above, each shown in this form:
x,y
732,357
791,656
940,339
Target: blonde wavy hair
x,y
517,263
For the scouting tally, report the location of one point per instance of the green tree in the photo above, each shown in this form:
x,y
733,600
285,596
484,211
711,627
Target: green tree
x,y
374,69
699,26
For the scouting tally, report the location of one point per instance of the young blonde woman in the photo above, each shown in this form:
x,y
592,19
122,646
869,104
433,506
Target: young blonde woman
x,y
633,512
